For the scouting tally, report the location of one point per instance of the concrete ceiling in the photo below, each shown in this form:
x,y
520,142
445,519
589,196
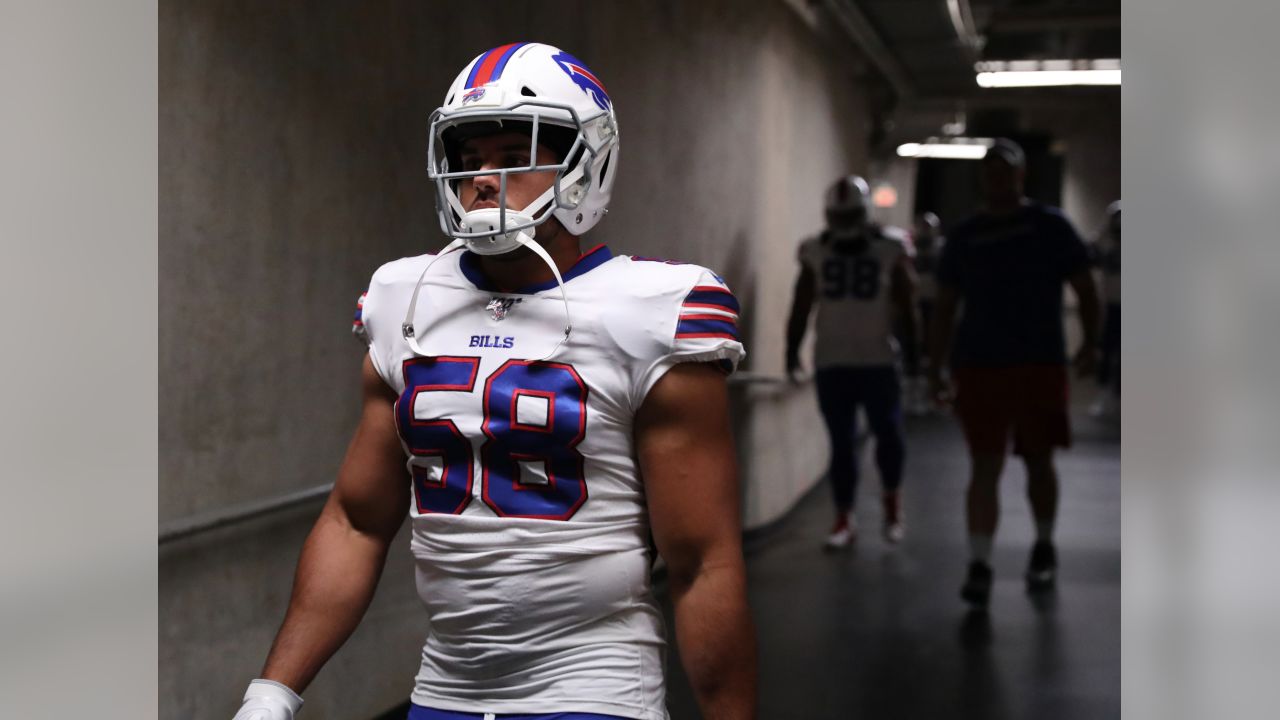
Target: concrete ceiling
x,y
925,51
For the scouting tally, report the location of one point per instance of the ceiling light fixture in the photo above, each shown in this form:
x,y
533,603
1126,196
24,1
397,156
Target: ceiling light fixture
x,y
957,149
1047,73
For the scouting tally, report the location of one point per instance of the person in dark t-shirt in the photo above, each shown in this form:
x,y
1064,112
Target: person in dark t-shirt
x,y
1006,266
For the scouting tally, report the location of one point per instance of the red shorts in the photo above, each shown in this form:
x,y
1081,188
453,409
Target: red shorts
x,y
1028,400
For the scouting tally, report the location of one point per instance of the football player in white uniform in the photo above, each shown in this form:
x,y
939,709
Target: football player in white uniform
x,y
926,243
858,273
540,414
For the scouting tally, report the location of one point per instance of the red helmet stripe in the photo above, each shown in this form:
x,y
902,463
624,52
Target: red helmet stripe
x,y
487,64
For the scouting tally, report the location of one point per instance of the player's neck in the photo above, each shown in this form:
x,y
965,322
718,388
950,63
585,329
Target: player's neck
x,y
522,268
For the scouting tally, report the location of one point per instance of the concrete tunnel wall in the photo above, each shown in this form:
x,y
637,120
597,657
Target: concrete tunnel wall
x,y
292,164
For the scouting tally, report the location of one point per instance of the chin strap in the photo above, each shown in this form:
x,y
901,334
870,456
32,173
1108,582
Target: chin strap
x,y
564,297
406,328
410,334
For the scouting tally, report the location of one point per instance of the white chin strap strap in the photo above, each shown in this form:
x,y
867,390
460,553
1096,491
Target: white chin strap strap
x,y
520,238
411,335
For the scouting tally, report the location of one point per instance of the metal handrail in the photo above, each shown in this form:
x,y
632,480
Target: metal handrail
x,y
206,522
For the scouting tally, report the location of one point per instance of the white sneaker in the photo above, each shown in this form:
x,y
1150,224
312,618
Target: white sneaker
x,y
842,533
894,532
894,529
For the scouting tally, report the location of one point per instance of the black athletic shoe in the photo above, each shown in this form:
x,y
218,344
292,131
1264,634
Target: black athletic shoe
x,y
1043,566
977,586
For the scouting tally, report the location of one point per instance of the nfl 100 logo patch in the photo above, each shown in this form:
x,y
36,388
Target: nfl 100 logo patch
x,y
499,307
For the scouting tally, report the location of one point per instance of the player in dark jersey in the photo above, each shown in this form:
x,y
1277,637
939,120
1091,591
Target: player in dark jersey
x,y
1008,264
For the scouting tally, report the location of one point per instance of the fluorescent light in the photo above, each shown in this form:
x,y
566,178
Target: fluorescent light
x,y
965,149
1047,73
1048,78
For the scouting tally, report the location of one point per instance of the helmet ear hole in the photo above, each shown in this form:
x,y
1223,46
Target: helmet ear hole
x,y
604,168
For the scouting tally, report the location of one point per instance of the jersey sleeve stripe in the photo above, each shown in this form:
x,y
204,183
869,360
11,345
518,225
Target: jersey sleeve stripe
x,y
704,309
710,316
706,328
711,296
357,323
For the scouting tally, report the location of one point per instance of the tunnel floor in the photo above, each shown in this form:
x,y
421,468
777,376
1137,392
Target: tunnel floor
x,y
879,631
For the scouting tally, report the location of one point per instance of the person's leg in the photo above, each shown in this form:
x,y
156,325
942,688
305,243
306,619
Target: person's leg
x,y
882,398
1042,492
1041,424
835,400
982,503
982,508
983,404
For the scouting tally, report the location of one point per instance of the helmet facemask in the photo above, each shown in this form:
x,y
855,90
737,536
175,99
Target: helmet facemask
x,y
492,231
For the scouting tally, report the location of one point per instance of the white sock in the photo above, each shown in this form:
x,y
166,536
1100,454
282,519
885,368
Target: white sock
x,y
980,547
1044,531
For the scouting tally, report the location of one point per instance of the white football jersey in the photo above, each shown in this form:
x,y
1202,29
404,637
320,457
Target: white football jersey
x,y
530,529
855,323
926,265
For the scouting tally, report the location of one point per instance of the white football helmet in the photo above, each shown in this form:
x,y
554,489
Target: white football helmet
x,y
554,97
551,95
848,205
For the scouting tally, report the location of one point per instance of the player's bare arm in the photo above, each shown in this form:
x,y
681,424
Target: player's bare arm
x,y
940,330
801,306
685,448
1086,290
344,555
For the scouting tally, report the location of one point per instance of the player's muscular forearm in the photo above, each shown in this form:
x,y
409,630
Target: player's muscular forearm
x,y
716,637
345,552
685,447
335,581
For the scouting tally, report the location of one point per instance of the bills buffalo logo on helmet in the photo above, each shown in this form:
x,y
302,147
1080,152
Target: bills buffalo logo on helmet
x,y
473,95
583,78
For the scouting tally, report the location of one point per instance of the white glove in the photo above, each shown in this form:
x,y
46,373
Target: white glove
x,y
268,700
